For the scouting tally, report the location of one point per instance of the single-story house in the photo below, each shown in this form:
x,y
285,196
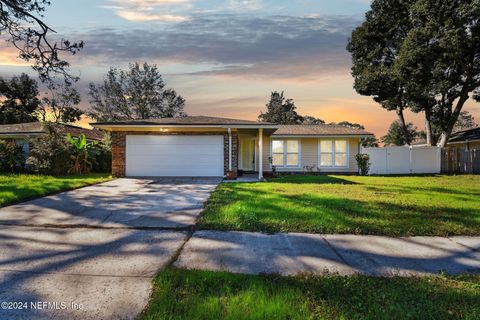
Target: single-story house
x,y
465,139
202,146
22,132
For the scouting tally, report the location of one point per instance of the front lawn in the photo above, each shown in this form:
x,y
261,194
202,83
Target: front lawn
x,y
393,206
17,187
183,294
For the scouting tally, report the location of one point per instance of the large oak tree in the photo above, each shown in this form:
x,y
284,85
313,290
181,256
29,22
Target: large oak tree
x,y
420,54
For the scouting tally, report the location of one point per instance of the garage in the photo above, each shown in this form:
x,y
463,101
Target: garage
x,y
174,156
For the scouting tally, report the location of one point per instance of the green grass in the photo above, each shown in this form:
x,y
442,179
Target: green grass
x,y
182,294
393,206
18,187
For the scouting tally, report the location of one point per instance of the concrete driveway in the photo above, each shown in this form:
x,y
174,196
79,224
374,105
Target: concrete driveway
x,y
54,269
129,203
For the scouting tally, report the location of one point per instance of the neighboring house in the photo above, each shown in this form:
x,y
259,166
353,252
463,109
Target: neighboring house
x,y
466,139
208,146
22,132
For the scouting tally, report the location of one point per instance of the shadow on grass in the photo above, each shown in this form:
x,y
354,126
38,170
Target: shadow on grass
x,y
181,294
244,207
311,179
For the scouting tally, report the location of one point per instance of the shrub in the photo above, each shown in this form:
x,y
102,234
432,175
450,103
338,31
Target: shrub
x,y
11,157
50,153
101,157
363,162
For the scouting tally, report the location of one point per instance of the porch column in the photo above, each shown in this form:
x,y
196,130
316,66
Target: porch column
x,y
260,154
229,149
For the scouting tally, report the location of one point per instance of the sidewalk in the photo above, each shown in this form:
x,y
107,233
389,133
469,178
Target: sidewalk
x,y
296,253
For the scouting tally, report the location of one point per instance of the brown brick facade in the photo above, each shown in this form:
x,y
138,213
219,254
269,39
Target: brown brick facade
x,y
119,146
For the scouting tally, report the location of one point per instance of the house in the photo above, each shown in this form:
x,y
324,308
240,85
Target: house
x,y
202,146
22,132
466,139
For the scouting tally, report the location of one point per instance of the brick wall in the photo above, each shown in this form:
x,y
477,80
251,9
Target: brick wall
x,y
119,144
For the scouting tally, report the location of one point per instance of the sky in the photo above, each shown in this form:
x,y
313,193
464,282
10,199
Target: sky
x,y
225,57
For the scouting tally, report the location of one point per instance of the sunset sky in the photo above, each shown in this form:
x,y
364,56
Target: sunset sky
x,y
225,56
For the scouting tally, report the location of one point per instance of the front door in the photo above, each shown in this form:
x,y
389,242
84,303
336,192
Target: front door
x,y
247,155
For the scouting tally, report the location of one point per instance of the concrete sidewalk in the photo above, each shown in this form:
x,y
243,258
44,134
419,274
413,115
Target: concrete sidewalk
x,y
296,253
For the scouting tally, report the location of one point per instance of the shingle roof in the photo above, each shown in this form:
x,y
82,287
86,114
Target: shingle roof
x,y
191,120
465,135
39,127
318,130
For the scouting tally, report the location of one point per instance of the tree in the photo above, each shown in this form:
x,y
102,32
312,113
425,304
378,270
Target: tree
x,y
374,47
421,54
21,24
18,100
395,135
136,93
465,121
280,110
311,120
50,153
370,142
440,57
60,103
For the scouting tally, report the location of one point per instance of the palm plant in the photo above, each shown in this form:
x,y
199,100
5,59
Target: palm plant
x,y
80,158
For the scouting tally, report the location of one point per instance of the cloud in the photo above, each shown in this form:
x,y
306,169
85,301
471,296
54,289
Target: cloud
x,y
149,10
244,4
142,16
236,45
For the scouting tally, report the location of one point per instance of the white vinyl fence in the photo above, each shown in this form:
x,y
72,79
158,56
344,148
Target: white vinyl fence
x,y
404,160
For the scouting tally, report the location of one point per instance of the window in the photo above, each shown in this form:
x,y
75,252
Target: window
x,y
285,153
333,153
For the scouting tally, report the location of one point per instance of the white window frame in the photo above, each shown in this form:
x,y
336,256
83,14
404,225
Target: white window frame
x,y
333,153
285,153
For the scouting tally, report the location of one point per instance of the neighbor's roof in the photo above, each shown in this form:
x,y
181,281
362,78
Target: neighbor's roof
x,y
189,121
32,128
318,130
465,135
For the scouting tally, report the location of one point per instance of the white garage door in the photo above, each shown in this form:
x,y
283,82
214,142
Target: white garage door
x,y
174,156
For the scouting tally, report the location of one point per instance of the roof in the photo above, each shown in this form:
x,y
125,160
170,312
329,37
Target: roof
x,y
32,128
465,135
319,130
191,120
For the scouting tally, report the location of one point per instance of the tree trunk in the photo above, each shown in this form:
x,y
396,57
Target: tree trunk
x,y
428,126
446,132
401,117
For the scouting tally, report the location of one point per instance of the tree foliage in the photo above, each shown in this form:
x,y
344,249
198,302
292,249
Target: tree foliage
x,y
395,135
60,104
50,153
280,110
21,24
369,142
18,100
420,54
374,47
465,121
11,157
136,93
312,120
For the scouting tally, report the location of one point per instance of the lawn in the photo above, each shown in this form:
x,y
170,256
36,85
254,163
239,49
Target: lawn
x,y
393,206
17,187
183,294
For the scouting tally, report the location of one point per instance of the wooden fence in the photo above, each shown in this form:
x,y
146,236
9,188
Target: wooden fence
x,y
455,160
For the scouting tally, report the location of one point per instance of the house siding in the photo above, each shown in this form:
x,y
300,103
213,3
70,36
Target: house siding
x,y
309,155
119,147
